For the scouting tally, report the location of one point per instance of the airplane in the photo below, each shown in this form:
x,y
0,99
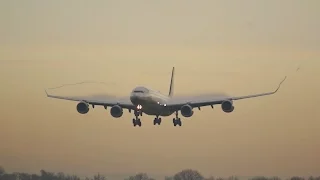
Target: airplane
x,y
144,100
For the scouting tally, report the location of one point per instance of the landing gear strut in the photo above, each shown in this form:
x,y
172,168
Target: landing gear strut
x,y
177,120
157,120
136,121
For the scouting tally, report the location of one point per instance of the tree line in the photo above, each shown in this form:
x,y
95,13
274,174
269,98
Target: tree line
x,y
187,174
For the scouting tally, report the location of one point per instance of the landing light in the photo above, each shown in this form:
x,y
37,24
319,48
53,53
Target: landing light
x,y
165,104
139,107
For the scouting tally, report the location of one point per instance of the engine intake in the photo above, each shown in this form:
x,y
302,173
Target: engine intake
x,y
186,110
227,106
83,107
116,111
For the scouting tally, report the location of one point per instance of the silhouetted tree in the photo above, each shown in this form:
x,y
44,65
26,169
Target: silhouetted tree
x,y
296,178
8,177
219,178
188,174
47,175
314,178
2,171
61,176
168,178
274,178
35,177
98,177
74,177
233,178
140,176
24,176
259,178
210,178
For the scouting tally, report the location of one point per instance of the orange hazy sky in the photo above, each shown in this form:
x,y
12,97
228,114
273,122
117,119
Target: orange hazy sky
x,y
236,47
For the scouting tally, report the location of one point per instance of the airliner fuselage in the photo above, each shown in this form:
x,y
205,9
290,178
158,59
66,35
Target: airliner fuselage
x,y
152,102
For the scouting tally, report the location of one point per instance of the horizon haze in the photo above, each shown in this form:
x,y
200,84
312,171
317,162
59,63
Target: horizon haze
x,y
234,47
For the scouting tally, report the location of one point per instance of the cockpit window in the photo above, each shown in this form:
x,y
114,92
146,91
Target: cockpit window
x,y
137,91
140,89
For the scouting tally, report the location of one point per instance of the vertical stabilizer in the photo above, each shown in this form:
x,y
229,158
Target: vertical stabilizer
x,y
171,83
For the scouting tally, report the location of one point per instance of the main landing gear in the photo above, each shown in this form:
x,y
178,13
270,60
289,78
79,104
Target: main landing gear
x,y
157,120
136,121
177,120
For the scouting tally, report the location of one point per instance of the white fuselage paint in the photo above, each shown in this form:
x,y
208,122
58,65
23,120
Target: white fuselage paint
x,y
152,102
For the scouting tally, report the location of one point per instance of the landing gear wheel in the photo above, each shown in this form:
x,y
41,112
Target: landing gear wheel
x,y
139,123
157,121
136,122
177,122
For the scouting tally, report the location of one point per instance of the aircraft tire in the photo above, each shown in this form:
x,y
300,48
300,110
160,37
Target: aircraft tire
x,y
179,122
139,122
136,122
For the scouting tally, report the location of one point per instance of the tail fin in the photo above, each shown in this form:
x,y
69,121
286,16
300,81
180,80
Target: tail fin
x,y
171,83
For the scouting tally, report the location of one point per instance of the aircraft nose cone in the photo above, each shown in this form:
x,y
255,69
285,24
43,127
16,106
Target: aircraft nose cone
x,y
134,99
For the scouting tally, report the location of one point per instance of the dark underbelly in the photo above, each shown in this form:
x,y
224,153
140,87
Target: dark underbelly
x,y
156,110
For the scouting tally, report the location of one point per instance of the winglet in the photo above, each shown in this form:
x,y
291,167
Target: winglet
x,y
280,84
262,94
46,92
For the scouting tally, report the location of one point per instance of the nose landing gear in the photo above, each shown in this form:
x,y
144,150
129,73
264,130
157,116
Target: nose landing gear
x,y
136,121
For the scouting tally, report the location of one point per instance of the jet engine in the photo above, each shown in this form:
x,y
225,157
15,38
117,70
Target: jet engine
x,y
186,110
227,106
116,111
83,107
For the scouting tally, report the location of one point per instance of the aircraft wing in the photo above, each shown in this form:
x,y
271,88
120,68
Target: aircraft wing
x,y
102,100
176,103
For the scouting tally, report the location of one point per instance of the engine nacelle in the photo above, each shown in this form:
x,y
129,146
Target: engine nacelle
x,y
186,110
116,111
227,106
83,107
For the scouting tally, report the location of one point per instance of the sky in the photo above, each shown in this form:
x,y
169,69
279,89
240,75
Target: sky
x,y
235,47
